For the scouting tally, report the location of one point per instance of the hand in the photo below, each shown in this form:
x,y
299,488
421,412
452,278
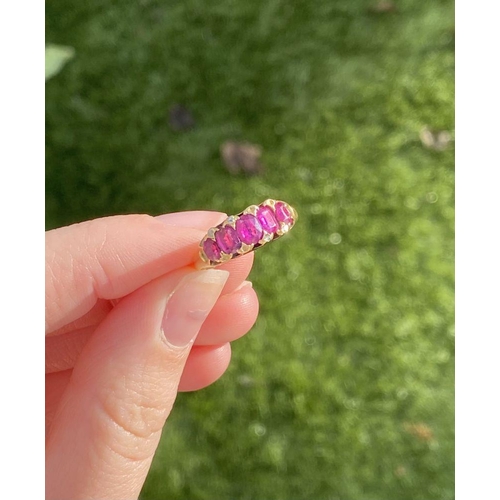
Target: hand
x,y
129,322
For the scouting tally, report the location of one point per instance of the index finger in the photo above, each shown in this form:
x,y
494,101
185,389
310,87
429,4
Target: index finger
x,y
110,257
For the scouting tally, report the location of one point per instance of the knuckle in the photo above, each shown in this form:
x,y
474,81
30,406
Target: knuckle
x,y
130,418
133,413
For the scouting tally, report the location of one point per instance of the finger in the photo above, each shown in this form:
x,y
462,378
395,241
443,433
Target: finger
x,y
214,359
194,219
205,364
123,387
239,268
55,385
62,351
111,257
233,315
90,319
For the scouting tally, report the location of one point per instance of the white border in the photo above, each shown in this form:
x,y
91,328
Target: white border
x,y
22,43
477,250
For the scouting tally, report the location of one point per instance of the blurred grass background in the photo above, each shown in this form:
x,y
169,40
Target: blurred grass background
x,y
344,388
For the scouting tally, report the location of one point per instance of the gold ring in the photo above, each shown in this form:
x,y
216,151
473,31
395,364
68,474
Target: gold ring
x,y
240,234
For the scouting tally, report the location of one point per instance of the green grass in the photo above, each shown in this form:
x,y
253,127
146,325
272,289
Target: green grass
x,y
344,388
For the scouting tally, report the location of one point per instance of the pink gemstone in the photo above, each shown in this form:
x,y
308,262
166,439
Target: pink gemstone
x,y
283,213
267,219
212,251
249,229
227,239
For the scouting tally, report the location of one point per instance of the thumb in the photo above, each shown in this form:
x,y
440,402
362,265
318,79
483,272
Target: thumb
x,y
109,421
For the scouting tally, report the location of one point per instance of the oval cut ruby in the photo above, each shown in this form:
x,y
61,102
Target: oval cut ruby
x,y
267,219
249,229
228,240
212,251
283,213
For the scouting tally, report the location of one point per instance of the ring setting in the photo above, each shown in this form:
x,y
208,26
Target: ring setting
x,y
240,234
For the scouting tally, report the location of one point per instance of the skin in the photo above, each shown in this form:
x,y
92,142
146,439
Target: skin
x,y
129,323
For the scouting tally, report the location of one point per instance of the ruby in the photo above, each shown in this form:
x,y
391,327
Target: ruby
x,y
227,239
249,229
212,251
283,213
267,219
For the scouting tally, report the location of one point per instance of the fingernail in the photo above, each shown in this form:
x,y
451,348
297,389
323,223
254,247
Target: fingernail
x,y
244,284
190,303
190,219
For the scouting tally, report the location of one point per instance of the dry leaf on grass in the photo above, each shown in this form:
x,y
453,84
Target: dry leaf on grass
x,y
420,430
438,140
400,471
383,7
241,157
